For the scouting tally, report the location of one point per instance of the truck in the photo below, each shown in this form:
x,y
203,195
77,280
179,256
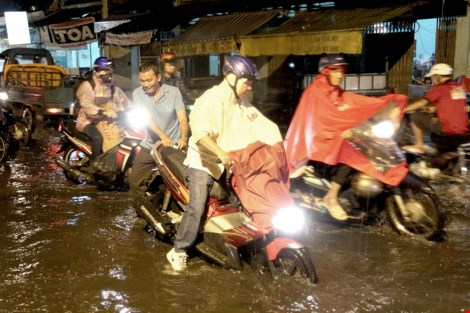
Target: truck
x,y
37,88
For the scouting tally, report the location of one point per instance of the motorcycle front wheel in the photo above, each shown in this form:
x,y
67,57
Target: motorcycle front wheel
x,y
420,216
289,262
73,156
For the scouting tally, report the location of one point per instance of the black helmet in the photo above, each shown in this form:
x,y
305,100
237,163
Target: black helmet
x,y
240,66
331,60
103,63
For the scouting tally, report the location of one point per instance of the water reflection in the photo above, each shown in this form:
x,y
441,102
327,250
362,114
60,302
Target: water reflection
x,y
69,248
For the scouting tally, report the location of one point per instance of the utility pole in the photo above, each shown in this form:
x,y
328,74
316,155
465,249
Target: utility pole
x,y
104,15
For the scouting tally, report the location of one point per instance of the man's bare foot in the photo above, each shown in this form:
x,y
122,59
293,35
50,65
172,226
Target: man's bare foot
x,y
414,149
298,172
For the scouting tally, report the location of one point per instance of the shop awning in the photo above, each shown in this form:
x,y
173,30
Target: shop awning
x,y
67,13
347,41
322,31
315,32
219,34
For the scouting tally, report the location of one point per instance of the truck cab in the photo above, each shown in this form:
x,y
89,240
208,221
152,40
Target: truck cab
x,y
35,85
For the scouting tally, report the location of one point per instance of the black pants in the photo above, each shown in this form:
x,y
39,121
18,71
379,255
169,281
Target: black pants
x,y
96,140
339,173
140,172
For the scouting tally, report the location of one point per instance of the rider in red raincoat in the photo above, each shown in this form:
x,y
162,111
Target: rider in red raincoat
x,y
324,112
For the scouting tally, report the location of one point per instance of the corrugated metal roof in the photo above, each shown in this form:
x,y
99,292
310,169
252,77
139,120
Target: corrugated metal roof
x,y
335,19
225,26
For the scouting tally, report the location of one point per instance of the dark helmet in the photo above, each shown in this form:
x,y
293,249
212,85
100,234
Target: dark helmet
x,y
331,60
240,66
167,56
103,63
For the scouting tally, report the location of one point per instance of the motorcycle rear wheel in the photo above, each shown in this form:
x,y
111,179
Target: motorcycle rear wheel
x,y
3,149
73,156
289,262
425,219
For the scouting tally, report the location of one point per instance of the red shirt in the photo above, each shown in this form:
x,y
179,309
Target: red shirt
x,y
451,104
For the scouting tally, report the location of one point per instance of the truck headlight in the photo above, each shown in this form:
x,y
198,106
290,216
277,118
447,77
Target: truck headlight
x,y
3,96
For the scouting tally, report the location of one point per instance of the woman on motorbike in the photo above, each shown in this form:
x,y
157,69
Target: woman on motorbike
x,y
324,113
98,100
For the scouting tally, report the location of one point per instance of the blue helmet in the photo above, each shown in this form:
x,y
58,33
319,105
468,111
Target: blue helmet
x,y
240,66
103,63
331,60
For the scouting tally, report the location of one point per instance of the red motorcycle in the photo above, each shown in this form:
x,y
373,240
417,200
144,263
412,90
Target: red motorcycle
x,y
109,170
235,231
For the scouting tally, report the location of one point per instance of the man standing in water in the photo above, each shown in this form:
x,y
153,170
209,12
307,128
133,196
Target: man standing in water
x,y
167,122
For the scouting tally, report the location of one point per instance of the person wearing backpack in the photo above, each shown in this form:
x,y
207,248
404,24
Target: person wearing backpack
x,y
99,100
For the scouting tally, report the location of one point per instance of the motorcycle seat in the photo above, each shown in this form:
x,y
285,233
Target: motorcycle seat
x,y
174,158
447,143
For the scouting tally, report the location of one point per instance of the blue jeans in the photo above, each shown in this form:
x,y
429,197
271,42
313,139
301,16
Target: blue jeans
x,y
199,183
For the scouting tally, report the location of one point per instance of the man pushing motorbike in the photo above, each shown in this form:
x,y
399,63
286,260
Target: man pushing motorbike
x,y
99,99
168,122
316,132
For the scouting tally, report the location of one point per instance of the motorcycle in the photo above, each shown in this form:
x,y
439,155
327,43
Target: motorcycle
x,y
14,133
230,235
109,170
412,207
447,159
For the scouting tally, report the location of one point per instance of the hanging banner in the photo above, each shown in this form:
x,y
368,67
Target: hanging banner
x,y
130,39
69,34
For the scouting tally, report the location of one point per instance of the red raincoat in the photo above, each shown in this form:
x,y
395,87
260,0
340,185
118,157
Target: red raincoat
x,y
323,113
262,181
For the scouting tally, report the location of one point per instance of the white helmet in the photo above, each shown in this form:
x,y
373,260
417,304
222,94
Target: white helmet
x,y
440,69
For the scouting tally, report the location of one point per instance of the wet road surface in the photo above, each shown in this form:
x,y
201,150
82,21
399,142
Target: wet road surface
x,y
69,248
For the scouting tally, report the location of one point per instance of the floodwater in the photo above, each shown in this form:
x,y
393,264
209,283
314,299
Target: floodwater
x,y
68,248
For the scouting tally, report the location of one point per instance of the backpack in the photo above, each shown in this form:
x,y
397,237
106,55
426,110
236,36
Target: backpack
x,y
86,77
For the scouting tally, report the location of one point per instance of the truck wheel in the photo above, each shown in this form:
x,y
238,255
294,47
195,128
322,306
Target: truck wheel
x,y
3,149
21,133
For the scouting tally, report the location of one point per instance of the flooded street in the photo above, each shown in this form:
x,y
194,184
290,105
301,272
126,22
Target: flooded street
x,y
69,248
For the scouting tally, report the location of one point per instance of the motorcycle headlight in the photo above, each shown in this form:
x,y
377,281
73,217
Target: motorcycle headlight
x,y
136,118
3,95
384,129
289,220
